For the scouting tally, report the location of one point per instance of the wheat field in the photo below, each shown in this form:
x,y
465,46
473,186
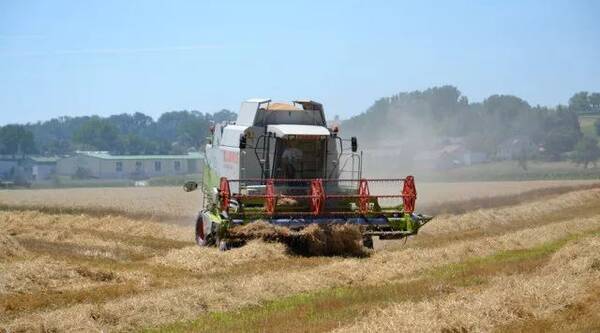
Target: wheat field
x,y
110,265
172,204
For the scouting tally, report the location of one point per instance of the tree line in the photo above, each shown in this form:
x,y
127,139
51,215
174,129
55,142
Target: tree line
x,y
408,120
585,102
174,132
418,120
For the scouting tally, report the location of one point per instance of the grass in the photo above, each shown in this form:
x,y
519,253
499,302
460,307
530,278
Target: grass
x,y
328,309
584,210
581,316
172,204
68,182
510,170
159,203
177,180
464,206
587,125
109,270
91,211
17,304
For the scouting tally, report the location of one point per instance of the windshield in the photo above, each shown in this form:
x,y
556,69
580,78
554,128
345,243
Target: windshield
x,y
299,158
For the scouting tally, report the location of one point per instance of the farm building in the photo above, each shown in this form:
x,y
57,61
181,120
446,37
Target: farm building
x,y
102,165
41,168
27,167
8,165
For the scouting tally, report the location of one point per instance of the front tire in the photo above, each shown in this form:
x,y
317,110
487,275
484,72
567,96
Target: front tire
x,y
368,242
220,243
201,238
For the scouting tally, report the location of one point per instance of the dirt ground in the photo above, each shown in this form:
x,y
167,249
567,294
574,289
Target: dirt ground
x,y
529,265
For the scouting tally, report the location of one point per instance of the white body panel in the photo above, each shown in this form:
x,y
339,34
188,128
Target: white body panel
x,y
225,162
284,130
263,129
248,111
232,134
223,155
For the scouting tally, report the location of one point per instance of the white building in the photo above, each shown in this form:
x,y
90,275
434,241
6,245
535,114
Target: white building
x,y
103,165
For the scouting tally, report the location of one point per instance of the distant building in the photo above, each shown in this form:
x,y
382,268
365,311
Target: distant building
x,y
41,168
15,170
102,165
9,165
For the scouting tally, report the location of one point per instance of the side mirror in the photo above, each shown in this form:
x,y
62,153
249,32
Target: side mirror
x,y
242,142
354,144
190,186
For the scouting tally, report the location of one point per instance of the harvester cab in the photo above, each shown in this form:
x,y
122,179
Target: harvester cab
x,y
281,163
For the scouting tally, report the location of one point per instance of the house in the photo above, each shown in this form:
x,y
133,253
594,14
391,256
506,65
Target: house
x,y
102,165
8,165
14,170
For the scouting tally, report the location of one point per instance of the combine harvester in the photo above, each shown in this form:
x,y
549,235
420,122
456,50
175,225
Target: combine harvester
x,y
280,163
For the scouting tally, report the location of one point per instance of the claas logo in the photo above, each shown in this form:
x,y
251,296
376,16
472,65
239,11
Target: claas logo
x,y
230,157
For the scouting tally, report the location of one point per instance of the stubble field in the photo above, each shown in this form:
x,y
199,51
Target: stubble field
x,y
124,260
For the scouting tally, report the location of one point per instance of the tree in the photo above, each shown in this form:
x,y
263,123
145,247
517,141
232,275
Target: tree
x,y
561,132
98,133
16,139
136,123
586,152
505,117
133,144
594,100
580,102
522,159
55,136
505,107
224,115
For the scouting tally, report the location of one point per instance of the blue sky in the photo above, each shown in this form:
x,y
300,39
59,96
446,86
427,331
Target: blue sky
x,y
108,57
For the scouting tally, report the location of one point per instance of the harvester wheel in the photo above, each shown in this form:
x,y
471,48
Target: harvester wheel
x,y
368,242
220,243
200,236
223,245
217,239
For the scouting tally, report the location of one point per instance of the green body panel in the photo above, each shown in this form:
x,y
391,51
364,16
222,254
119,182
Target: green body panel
x,y
220,225
210,180
404,223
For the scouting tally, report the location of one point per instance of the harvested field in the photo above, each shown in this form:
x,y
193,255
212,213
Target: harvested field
x,y
507,302
533,265
173,205
170,204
